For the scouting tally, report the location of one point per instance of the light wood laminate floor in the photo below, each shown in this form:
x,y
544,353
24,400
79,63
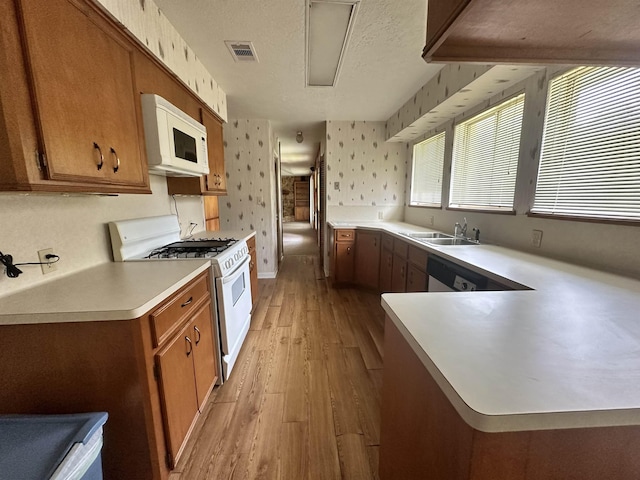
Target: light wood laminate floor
x,y
303,401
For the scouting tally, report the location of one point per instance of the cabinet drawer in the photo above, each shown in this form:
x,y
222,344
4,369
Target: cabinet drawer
x,y
400,248
418,257
166,319
387,242
345,235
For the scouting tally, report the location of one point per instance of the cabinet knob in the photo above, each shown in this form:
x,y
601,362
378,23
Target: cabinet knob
x,y
116,164
198,334
189,345
101,162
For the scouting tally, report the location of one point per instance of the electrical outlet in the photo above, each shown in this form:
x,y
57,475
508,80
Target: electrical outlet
x,y
430,220
47,266
536,238
336,185
380,216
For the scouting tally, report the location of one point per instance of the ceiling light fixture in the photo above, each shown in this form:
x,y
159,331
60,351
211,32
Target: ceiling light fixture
x,y
299,137
329,25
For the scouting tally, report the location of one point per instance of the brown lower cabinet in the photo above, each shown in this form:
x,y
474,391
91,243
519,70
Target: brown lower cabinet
x,y
151,374
367,263
422,436
386,270
417,278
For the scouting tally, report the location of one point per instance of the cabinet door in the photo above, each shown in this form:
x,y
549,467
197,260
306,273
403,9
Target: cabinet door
x,y
204,358
386,270
215,182
367,269
177,389
416,279
345,262
399,274
85,101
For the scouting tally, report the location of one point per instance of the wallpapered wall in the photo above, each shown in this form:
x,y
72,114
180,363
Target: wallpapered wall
x,y
250,203
451,79
370,171
149,25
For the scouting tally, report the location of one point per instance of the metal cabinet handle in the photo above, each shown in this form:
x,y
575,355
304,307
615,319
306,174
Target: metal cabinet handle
x,y
97,147
348,249
190,345
187,302
116,167
198,333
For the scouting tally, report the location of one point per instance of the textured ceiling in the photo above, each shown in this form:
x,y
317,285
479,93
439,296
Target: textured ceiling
x,y
382,67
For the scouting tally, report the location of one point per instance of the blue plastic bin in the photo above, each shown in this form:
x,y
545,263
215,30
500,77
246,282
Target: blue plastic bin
x,y
60,447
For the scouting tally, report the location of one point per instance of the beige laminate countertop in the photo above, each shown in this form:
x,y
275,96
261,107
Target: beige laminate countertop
x,y
565,354
110,291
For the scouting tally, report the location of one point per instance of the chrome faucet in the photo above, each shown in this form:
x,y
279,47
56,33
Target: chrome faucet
x,y
462,228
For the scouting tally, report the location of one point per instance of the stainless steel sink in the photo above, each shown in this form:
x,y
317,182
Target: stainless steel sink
x,y
429,235
450,241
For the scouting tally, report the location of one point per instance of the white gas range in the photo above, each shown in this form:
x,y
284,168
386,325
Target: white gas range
x,y
158,238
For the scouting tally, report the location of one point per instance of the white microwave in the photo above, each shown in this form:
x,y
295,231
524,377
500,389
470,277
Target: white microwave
x,y
176,143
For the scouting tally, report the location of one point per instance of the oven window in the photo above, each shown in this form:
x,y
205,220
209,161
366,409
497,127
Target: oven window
x,y
185,146
237,289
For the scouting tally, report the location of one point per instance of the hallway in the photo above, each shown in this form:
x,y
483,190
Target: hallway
x,y
303,401
299,238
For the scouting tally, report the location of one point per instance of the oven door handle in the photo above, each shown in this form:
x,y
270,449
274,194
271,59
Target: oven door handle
x,y
232,277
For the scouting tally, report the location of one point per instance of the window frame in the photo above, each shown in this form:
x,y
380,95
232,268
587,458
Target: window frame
x,y
500,210
434,137
566,216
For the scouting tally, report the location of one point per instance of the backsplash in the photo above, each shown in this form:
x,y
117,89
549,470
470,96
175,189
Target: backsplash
x,y
367,170
75,226
150,26
250,202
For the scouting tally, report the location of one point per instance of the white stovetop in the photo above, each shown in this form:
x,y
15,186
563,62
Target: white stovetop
x,y
565,354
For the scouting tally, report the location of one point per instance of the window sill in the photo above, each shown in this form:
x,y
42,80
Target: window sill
x,y
436,207
482,210
576,218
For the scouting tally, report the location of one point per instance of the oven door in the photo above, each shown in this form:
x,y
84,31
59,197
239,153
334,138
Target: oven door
x,y
233,293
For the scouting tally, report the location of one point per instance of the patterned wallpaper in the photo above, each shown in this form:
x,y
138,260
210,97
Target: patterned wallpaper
x,y
288,199
453,91
149,25
369,170
250,203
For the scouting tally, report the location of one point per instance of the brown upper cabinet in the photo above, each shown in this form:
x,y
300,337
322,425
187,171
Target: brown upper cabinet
x,y
68,102
215,183
580,32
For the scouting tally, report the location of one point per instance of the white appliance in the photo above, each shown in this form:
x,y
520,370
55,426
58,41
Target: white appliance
x,y
176,143
158,238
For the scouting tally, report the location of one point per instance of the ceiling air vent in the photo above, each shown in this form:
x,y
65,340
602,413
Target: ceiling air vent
x,y
242,51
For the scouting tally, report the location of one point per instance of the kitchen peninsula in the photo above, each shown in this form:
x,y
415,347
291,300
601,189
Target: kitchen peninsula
x,y
539,383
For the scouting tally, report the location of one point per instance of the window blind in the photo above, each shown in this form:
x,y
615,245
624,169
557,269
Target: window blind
x,y
485,158
426,177
590,157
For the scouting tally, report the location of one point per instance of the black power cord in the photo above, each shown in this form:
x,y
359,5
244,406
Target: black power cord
x,y
12,268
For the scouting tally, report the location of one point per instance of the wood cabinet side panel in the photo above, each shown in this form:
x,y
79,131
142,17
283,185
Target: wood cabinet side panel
x,y
419,432
80,367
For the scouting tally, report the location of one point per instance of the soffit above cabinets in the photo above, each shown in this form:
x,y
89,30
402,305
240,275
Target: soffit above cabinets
x,y
456,90
572,32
